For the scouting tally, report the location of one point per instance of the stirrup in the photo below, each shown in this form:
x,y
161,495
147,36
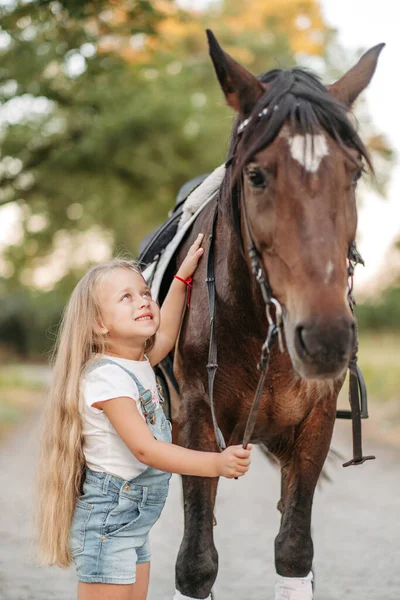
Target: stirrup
x,y
359,410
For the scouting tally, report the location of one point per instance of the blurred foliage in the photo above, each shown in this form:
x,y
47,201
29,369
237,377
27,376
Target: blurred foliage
x,y
108,107
378,357
379,354
21,391
381,314
29,321
121,107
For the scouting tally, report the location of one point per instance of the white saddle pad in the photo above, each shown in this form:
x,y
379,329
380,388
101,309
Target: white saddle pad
x,y
194,204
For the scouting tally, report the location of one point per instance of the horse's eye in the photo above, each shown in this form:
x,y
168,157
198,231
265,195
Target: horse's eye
x,y
356,177
256,178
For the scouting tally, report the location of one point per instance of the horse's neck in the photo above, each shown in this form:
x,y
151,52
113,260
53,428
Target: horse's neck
x,y
236,285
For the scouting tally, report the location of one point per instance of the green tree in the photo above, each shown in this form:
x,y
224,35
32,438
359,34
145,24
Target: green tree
x,y
120,107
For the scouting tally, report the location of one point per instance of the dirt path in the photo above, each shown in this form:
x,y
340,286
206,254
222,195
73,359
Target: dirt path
x,y
356,530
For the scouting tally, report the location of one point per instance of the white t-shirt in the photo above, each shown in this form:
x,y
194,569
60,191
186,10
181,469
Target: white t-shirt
x,y
103,448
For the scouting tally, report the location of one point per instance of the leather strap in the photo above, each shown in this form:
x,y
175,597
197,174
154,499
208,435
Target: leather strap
x,y
212,364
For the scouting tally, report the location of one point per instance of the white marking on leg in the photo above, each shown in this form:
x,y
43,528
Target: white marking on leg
x,y
308,150
329,271
294,588
179,596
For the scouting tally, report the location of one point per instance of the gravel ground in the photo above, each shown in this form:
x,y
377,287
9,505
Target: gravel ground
x,y
355,527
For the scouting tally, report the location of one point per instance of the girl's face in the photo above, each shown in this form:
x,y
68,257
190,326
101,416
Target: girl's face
x,y
128,312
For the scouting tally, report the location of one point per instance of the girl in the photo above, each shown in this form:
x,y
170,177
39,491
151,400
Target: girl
x,y
106,456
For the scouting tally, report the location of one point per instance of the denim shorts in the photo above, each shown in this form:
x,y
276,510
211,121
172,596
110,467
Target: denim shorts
x,y
111,523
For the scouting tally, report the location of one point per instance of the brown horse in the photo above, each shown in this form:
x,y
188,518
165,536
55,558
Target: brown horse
x,y
290,185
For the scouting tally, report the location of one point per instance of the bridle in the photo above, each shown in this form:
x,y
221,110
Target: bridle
x,y
357,389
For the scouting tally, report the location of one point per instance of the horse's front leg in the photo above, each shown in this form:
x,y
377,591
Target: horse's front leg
x,y
197,562
300,472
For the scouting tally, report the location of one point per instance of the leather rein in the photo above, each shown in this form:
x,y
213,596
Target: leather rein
x,y
357,388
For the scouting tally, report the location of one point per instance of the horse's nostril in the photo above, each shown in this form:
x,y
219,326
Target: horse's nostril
x,y
325,344
300,337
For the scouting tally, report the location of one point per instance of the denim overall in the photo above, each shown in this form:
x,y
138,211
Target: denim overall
x,y
112,519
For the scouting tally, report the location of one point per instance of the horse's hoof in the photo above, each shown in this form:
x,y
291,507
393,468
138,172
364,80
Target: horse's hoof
x,y
179,596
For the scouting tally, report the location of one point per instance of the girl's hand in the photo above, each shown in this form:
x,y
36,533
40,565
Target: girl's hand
x,y
190,263
234,461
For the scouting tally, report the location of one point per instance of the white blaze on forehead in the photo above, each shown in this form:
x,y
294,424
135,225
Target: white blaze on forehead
x,y
308,150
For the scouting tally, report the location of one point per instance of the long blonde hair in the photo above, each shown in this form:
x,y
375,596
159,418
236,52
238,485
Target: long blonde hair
x,y
61,462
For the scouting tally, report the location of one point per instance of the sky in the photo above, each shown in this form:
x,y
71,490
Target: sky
x,y
360,24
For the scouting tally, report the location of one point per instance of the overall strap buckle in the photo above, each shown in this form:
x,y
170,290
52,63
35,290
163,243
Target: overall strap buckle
x,y
148,406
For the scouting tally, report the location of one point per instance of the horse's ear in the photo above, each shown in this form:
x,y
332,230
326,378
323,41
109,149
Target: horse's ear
x,y
241,88
348,87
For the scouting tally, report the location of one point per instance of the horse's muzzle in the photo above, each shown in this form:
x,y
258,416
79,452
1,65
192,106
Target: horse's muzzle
x,y
323,350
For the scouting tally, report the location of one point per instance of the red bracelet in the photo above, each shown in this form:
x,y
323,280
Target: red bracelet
x,y
188,282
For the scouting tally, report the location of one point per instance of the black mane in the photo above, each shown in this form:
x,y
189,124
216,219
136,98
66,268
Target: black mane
x,y
297,97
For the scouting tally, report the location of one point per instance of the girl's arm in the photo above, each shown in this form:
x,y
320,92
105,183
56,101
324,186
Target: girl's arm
x,y
172,308
134,432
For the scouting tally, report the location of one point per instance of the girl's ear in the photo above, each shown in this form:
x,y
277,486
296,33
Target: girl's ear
x,y
102,329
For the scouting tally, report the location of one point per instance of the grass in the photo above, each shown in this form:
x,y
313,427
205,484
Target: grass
x,y
15,377
379,359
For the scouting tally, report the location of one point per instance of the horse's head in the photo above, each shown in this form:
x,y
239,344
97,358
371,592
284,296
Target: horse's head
x,y
296,162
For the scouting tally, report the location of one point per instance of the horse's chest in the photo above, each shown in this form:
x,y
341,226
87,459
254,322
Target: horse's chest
x,y
284,406
284,403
